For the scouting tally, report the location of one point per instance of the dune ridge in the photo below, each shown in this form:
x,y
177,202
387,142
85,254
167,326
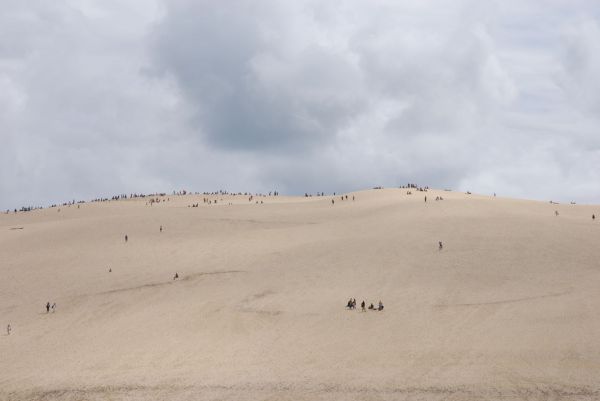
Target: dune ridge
x,y
507,310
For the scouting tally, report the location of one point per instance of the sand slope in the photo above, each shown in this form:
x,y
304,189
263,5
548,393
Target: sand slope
x,y
508,310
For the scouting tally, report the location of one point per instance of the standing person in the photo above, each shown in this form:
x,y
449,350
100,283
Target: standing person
x,y
54,307
47,307
441,246
8,329
126,238
161,229
362,305
425,198
593,217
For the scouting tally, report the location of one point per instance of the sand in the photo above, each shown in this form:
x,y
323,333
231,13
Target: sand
x,y
508,310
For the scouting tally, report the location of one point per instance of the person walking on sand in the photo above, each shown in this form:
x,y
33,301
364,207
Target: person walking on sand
x,y
126,238
54,307
440,245
425,198
593,217
380,308
8,330
161,229
176,276
362,305
47,307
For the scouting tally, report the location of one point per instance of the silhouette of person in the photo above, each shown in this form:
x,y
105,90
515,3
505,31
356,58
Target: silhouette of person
x,y
362,305
126,238
440,245
47,307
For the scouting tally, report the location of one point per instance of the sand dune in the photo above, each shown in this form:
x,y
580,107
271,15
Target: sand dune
x,y
508,310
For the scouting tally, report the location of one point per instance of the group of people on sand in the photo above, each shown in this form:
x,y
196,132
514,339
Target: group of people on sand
x,y
352,305
49,307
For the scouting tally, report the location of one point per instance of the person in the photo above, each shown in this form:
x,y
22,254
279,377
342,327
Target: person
x,y
556,212
110,270
354,303
176,276
362,305
371,307
352,197
332,201
425,198
161,229
8,329
54,307
593,217
380,308
349,304
47,307
126,238
440,245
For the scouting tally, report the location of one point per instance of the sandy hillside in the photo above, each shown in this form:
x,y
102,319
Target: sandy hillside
x,y
508,310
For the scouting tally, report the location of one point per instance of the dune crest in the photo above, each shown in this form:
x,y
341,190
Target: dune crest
x,y
507,309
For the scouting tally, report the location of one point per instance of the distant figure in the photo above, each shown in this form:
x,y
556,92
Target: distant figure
x,y
161,229
371,307
380,308
352,197
47,307
110,270
176,276
425,198
332,201
54,307
556,212
362,305
440,245
126,238
8,330
593,217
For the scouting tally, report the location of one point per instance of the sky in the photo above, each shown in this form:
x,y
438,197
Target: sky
x,y
120,96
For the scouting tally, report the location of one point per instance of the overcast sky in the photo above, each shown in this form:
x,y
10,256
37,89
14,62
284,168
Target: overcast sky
x,y
111,96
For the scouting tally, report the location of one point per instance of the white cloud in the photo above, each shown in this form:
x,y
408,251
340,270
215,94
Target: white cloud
x,y
99,97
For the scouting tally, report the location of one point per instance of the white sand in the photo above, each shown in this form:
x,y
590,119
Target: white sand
x,y
508,310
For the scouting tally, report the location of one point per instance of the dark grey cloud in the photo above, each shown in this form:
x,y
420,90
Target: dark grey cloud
x,y
122,96
254,84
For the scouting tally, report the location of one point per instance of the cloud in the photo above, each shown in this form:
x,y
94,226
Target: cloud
x,y
121,96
